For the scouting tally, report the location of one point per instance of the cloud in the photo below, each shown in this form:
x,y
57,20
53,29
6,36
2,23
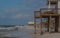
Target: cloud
x,y
26,2
14,10
17,10
15,13
18,16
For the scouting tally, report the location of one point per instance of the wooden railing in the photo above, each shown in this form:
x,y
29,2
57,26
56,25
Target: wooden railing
x,y
46,11
52,0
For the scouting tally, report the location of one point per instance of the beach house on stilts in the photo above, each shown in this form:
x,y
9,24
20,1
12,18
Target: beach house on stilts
x,y
50,14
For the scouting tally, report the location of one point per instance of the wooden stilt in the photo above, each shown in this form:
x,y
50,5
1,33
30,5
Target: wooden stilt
x,y
34,24
41,32
50,24
59,25
56,24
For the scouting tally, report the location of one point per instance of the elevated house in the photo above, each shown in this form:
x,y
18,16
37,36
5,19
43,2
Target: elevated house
x,y
50,14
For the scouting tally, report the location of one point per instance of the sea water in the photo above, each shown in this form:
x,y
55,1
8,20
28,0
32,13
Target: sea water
x,y
22,32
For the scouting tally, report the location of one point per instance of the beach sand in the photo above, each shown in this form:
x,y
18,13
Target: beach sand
x,y
28,32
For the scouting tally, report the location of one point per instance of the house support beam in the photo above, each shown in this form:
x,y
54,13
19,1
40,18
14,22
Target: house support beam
x,y
34,25
59,25
50,24
41,32
56,23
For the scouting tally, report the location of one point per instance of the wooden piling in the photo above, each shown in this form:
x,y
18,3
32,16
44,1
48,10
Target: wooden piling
x,y
50,24
59,25
34,23
41,32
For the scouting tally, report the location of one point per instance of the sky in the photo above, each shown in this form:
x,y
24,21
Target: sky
x,y
19,11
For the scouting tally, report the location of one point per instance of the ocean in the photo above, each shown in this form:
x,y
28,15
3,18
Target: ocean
x,y
22,32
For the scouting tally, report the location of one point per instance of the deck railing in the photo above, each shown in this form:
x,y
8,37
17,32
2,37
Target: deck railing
x,y
52,0
46,11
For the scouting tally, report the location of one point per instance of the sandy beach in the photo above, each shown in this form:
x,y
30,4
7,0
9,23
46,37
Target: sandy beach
x,y
26,32
29,33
